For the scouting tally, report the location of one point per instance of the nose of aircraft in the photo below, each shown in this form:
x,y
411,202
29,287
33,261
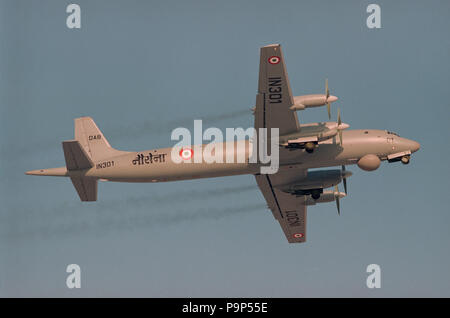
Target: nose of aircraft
x,y
414,145
411,145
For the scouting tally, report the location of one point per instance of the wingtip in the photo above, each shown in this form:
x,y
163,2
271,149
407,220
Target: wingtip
x,y
82,118
272,45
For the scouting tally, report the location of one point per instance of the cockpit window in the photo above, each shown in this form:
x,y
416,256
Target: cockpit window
x,y
392,133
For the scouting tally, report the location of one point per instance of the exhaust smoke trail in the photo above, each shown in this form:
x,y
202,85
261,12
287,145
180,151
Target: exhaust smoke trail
x,y
158,128
132,213
146,127
103,224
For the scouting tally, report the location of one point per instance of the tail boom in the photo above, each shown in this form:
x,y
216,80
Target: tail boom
x,y
54,172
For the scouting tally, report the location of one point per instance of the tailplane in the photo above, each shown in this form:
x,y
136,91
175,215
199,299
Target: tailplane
x,y
86,188
89,147
77,159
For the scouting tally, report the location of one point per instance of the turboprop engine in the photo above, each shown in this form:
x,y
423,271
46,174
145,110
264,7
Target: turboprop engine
x,y
316,181
327,196
311,134
314,100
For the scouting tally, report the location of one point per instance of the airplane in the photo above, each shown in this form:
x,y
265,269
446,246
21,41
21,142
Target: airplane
x,y
90,158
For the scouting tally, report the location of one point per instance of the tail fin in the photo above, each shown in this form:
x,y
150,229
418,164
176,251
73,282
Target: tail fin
x,y
92,140
77,159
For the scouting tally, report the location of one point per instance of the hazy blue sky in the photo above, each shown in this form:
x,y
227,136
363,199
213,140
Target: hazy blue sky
x,y
142,68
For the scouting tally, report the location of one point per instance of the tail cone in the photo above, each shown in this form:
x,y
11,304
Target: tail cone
x,y
55,172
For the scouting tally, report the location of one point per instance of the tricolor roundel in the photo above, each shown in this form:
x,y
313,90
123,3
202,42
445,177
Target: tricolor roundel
x,y
274,60
186,153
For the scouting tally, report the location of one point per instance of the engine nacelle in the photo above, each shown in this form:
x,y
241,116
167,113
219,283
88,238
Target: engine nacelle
x,y
327,196
312,100
316,180
369,162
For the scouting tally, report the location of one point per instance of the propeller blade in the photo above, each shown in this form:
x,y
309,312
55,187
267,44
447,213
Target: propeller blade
x,y
344,181
327,94
338,205
339,124
345,185
336,196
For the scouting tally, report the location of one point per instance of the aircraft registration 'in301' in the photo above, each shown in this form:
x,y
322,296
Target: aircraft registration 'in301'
x,y
288,192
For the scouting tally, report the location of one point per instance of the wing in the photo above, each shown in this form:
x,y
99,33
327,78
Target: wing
x,y
274,96
288,209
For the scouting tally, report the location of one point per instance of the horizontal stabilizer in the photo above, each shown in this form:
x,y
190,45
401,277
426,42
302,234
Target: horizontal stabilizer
x,y
86,188
76,157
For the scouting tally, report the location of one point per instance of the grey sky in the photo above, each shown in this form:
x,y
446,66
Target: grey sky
x,y
142,68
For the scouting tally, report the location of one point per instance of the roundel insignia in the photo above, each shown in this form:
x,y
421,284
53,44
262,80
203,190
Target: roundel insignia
x,y
298,235
186,153
274,60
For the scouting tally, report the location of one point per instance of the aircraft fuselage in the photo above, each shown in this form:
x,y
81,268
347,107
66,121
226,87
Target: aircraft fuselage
x,y
156,165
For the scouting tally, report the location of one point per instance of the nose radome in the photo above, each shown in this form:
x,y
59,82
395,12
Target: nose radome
x,y
411,145
414,146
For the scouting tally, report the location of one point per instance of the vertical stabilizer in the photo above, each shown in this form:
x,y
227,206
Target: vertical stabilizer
x,y
92,140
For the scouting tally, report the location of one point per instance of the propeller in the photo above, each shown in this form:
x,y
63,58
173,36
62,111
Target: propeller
x,y
327,94
344,178
340,127
339,123
329,98
345,174
336,198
